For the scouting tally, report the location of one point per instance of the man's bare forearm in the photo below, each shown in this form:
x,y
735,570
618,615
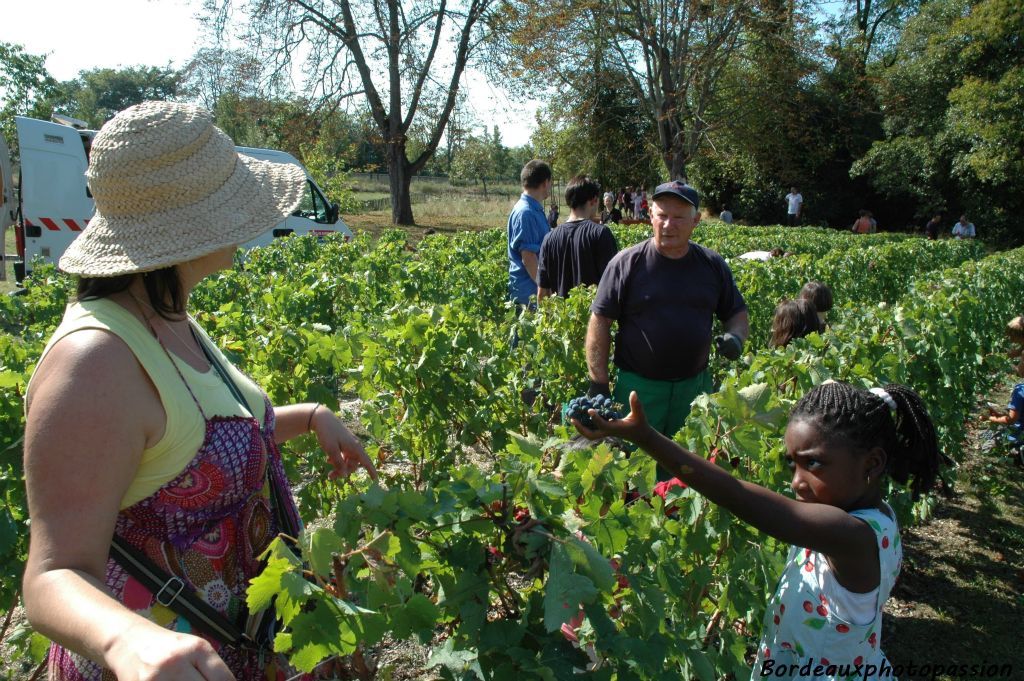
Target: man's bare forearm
x,y
530,263
598,345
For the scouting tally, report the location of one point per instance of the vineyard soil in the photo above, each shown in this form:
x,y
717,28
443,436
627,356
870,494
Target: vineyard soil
x,y
960,596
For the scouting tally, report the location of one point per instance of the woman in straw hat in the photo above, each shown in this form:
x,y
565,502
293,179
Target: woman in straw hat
x,y
140,432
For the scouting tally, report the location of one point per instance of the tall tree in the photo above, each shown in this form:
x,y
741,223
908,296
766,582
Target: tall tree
x,y
214,72
671,53
476,160
388,51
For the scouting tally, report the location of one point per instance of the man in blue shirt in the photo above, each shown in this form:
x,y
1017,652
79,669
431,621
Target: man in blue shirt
x,y
527,226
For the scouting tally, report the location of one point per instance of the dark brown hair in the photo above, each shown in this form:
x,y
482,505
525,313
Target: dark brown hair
x,y
163,287
860,418
793,319
819,294
535,173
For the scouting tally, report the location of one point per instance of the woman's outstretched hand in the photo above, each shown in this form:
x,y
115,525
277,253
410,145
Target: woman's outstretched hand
x,y
633,427
343,449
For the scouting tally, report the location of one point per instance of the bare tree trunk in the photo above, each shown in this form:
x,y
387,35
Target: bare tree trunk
x,y
674,153
676,161
400,179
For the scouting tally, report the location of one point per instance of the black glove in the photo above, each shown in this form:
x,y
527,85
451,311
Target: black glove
x,y
596,389
729,345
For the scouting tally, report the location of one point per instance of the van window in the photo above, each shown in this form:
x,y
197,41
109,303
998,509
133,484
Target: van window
x,y
313,205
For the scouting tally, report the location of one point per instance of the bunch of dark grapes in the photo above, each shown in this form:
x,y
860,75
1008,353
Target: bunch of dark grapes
x,y
579,409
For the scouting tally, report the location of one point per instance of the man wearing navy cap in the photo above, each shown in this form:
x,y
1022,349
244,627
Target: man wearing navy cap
x,y
664,293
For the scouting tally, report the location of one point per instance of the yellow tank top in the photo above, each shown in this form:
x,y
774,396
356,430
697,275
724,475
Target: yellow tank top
x,y
185,428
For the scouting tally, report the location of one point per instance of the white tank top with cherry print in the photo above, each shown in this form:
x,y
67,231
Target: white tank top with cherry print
x,y
816,629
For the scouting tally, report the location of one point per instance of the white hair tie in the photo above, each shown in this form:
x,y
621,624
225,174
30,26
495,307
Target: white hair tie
x,y
886,397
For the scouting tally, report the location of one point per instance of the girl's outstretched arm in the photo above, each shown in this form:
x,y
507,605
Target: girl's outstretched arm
x,y
848,542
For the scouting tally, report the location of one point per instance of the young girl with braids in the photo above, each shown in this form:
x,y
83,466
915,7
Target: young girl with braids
x,y
825,618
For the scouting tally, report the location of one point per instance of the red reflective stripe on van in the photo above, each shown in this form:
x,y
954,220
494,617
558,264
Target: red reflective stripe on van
x,y
50,224
72,225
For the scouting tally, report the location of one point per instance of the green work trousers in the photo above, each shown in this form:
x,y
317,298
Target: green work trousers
x,y
666,403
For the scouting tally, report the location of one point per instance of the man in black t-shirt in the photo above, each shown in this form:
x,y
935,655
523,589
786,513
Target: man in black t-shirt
x,y
664,293
577,251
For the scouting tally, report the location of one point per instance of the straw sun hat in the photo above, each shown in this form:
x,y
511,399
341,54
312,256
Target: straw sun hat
x,y
170,187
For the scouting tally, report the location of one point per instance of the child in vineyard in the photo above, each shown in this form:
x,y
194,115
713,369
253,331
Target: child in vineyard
x,y
1014,414
793,319
820,296
825,617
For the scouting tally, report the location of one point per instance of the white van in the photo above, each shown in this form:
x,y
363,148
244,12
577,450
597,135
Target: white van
x,y
54,204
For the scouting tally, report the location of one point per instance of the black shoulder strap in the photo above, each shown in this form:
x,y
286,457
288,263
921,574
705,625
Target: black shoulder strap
x,y
172,592
277,495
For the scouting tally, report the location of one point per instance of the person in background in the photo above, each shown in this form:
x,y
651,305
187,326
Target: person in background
x,y
763,256
1015,332
526,229
1014,414
638,202
577,252
611,213
793,319
862,225
665,293
726,215
794,206
964,229
933,227
553,214
820,296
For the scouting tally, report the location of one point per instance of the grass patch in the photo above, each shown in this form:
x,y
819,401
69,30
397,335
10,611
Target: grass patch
x,y
442,214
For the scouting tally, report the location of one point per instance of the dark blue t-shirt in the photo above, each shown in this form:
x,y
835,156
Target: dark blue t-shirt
x,y
664,307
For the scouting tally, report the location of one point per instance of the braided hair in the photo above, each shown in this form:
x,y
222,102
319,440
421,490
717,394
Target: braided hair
x,y
863,419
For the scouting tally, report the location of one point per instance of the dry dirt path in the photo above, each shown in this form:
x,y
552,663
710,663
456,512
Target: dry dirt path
x,y
960,597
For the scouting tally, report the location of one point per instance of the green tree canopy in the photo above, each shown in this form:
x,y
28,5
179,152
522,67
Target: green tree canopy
x,y
954,126
96,95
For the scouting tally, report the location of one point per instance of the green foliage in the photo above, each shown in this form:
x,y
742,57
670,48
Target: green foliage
x,y
96,95
329,173
493,538
477,159
954,115
25,85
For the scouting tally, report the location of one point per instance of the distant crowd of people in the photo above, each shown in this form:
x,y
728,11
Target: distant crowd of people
x,y
628,203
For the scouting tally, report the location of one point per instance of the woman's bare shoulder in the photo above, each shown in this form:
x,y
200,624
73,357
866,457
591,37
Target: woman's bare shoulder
x,y
87,365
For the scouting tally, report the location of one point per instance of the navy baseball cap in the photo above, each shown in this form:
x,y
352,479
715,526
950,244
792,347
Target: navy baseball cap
x,y
679,189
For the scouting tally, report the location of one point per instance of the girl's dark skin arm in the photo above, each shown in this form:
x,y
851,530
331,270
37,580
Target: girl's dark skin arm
x,y
849,543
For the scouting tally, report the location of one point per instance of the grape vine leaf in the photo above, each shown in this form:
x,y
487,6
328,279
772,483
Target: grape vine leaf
x,y
458,662
565,590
